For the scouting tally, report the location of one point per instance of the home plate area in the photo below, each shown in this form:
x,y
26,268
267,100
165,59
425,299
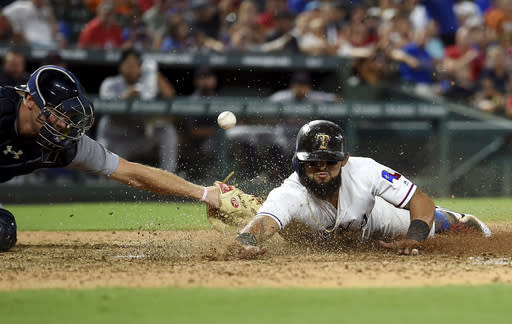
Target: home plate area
x,y
208,259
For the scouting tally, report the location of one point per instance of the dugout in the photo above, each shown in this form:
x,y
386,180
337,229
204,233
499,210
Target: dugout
x,y
444,147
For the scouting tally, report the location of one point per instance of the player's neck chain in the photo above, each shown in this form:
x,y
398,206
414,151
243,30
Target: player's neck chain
x,y
338,214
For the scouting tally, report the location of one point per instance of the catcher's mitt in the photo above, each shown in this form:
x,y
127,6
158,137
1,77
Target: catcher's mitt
x,y
236,208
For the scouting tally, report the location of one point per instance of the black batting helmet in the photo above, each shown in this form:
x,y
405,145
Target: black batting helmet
x,y
320,140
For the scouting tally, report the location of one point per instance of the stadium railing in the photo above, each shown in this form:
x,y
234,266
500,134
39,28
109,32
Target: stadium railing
x,y
439,125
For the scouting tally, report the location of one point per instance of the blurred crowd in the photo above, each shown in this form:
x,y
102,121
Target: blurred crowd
x,y
460,50
457,49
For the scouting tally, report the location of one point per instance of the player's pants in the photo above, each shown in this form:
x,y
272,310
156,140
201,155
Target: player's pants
x,y
7,230
388,221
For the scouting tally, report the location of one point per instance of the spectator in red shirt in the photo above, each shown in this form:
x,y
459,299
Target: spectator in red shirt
x,y
267,18
246,33
144,5
6,31
103,31
463,55
358,31
122,7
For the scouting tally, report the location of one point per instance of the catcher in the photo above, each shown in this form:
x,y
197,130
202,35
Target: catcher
x,y
43,124
331,193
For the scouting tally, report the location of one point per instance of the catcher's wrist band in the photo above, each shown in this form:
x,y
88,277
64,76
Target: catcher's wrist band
x,y
247,239
418,230
203,198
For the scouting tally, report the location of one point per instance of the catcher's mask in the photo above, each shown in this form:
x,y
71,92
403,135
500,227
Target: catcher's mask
x,y
66,113
319,140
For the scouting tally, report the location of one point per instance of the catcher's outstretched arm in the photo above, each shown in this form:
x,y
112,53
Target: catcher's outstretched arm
x,y
162,182
260,229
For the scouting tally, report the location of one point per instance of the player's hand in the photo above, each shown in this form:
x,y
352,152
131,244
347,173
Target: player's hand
x,y
402,247
251,251
132,92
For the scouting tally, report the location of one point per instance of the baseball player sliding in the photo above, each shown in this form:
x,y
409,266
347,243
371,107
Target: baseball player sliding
x,y
330,193
43,125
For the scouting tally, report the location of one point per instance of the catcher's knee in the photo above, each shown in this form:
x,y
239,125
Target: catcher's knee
x,y
7,230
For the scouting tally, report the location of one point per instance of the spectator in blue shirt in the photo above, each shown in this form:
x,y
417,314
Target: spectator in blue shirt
x,y
483,5
443,12
417,65
297,6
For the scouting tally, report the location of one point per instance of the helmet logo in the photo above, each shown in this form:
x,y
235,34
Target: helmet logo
x,y
324,140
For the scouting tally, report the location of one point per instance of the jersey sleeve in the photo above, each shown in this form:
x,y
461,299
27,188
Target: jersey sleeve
x,y
281,204
94,158
391,185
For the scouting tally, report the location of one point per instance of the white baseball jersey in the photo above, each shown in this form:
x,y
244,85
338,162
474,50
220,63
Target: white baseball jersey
x,y
371,198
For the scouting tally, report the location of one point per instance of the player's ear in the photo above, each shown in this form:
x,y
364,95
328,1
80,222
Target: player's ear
x,y
347,155
29,102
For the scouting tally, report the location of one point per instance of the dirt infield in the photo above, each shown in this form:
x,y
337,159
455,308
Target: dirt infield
x,y
203,259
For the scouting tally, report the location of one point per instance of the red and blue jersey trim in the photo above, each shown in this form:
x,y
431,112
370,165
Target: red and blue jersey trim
x,y
407,197
278,221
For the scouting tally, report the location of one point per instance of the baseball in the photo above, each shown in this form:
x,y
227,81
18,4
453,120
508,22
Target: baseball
x,y
226,120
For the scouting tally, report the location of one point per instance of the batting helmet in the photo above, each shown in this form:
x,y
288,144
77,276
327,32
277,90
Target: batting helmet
x,y
58,93
319,140
7,230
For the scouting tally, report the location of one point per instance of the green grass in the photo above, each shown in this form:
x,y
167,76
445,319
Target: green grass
x,y
111,216
483,304
451,304
184,216
487,209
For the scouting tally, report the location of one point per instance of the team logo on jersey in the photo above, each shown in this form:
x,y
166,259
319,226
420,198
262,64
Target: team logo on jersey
x,y
324,140
390,177
16,155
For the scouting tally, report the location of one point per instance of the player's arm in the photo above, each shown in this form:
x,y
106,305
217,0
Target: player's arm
x,y
166,88
422,213
93,157
260,229
422,208
140,176
402,56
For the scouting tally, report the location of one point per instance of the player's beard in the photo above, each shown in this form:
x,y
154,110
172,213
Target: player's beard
x,y
322,190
